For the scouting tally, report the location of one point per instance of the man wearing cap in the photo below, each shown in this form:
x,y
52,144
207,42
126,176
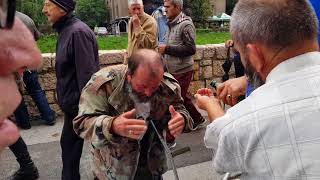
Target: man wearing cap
x,y
76,60
142,28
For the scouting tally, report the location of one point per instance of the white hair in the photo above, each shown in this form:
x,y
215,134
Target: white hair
x,y
130,2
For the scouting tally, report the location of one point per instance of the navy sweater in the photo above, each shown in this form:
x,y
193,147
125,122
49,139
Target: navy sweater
x,y
76,60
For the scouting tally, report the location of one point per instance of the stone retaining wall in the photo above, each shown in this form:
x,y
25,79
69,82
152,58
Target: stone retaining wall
x,y
208,61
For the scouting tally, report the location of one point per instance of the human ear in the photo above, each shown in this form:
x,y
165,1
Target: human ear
x,y
256,58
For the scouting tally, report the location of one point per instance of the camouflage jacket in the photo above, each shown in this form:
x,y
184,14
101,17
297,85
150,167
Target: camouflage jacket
x,y
102,100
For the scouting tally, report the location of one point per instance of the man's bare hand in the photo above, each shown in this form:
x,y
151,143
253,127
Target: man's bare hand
x,y
205,99
230,90
162,48
127,126
229,43
135,22
176,123
209,103
205,92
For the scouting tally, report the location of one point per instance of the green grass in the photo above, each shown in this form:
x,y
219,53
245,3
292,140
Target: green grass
x,y
113,42
47,44
212,37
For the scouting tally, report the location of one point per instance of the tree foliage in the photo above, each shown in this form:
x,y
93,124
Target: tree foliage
x,y
92,12
32,8
201,9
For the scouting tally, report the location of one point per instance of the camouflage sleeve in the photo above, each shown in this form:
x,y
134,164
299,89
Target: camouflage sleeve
x,y
177,102
94,121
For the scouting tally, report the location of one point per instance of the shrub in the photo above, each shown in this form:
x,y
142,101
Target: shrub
x,y
92,12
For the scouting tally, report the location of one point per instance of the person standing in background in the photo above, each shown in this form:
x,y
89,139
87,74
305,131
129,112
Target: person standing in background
x,y
76,60
160,16
142,33
178,51
32,85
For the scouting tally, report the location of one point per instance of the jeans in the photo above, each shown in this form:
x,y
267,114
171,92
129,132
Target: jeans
x,y
71,145
184,80
30,79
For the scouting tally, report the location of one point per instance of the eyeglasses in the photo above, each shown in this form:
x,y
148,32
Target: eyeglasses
x,y
7,13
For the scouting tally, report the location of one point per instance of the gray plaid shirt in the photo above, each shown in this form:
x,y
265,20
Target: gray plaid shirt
x,y
275,132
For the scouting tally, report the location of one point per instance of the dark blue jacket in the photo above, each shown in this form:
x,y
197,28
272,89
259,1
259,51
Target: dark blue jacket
x,y
76,60
316,6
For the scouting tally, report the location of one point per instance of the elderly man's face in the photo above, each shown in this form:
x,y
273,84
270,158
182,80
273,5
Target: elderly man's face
x,y
171,10
136,9
18,51
143,84
53,12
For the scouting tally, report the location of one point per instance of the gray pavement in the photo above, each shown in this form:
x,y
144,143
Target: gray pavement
x,y
44,147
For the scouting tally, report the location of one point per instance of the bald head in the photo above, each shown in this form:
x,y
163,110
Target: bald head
x,y
274,23
148,59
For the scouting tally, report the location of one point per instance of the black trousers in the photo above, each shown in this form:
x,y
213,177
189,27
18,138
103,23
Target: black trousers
x,y
71,145
20,150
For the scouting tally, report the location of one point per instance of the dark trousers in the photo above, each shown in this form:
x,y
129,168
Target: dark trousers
x,y
143,173
184,80
34,89
71,145
20,151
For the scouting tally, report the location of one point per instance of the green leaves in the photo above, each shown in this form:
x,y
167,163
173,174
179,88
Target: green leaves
x,y
201,9
32,8
92,12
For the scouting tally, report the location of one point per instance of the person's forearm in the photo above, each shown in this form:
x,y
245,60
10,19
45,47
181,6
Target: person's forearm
x,y
181,50
214,111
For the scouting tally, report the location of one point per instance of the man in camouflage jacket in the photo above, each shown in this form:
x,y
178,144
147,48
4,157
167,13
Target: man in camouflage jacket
x,y
125,147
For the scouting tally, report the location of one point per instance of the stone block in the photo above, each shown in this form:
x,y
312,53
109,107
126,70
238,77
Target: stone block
x,y
51,96
217,68
46,62
196,76
48,81
206,72
195,85
52,57
221,52
199,52
209,52
196,65
206,62
111,57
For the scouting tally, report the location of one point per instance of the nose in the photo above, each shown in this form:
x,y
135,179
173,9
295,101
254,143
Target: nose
x,y
136,12
44,9
28,53
21,52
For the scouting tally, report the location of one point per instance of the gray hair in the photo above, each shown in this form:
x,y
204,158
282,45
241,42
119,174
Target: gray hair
x,y
176,3
275,23
130,2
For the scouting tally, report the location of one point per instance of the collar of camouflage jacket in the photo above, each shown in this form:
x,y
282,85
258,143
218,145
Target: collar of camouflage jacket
x,y
119,98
